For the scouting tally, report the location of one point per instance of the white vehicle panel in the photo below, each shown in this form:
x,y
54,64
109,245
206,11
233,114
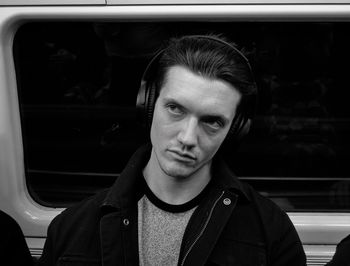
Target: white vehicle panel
x,y
50,2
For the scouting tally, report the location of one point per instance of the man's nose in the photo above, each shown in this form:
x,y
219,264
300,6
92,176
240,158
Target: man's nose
x,y
188,135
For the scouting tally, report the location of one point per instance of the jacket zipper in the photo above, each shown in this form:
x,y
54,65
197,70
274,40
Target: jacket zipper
x,y
203,229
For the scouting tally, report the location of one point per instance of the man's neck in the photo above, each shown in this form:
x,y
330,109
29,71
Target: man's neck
x,y
175,190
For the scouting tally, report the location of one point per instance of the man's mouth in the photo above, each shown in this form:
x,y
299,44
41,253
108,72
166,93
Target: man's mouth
x,y
182,156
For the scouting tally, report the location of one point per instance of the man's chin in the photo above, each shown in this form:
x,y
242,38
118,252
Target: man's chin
x,y
178,172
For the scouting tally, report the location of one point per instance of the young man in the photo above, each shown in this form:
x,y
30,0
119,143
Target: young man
x,y
176,202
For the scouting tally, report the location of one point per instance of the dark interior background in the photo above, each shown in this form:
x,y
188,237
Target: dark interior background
x,y
77,85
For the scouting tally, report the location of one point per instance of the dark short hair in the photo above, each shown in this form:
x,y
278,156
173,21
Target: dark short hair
x,y
210,56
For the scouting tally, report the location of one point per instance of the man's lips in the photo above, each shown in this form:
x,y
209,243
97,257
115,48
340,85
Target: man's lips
x,y
182,156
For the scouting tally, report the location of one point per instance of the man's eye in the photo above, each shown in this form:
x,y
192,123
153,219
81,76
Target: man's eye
x,y
214,124
174,109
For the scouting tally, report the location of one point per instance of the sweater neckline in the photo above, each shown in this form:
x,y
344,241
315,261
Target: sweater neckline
x,y
174,208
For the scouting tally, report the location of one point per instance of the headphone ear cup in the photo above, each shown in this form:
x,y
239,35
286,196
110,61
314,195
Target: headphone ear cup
x,y
141,102
150,104
244,129
239,128
147,93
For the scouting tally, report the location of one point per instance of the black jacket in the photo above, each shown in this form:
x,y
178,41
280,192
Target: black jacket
x,y
233,225
342,254
13,247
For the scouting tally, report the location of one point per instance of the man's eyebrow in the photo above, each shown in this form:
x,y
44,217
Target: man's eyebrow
x,y
209,116
216,117
172,100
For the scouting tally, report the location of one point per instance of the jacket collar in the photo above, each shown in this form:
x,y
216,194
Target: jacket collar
x,y
224,178
126,190
123,191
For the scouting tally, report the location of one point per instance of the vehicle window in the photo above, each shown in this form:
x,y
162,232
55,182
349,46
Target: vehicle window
x,y
77,86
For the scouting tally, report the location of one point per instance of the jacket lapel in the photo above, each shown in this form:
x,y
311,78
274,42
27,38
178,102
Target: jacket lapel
x,y
207,231
111,239
210,218
119,240
118,223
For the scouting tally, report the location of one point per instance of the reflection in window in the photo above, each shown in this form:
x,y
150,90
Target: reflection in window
x,y
78,83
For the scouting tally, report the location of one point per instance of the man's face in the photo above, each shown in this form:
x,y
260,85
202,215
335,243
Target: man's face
x,y
191,118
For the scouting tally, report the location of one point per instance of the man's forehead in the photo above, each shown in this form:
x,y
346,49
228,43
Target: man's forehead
x,y
182,76
195,91
181,71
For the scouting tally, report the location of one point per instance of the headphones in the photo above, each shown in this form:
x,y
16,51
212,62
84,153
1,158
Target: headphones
x,y
147,94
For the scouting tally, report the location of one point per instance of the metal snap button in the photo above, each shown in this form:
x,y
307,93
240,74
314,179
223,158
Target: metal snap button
x,y
126,222
227,201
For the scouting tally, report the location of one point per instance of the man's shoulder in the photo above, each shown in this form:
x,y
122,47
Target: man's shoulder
x,y
249,197
254,195
276,227
271,214
69,231
85,211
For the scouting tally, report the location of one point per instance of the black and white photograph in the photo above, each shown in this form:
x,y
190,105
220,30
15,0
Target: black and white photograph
x,y
174,132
